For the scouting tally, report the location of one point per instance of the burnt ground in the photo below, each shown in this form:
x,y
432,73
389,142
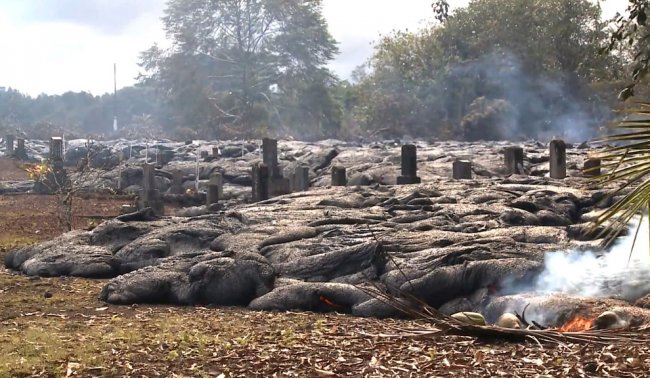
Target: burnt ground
x,y
58,327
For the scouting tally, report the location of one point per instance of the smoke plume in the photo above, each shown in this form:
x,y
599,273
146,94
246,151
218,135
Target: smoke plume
x,y
541,107
622,272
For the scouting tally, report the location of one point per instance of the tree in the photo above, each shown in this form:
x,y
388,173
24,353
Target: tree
x,y
441,10
632,31
77,114
235,64
427,81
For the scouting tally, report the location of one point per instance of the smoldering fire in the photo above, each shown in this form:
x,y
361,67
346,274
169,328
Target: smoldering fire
x,y
620,272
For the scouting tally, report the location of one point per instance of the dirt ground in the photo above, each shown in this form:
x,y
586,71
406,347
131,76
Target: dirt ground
x,y
10,170
57,327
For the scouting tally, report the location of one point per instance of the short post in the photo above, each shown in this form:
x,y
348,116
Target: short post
x,y
83,165
56,149
166,156
215,152
119,177
9,142
409,166
514,160
270,156
260,182
148,177
301,179
462,170
591,167
197,175
122,180
339,177
215,188
150,197
557,152
56,159
177,182
20,151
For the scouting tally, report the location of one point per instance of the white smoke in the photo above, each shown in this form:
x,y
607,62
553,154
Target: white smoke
x,y
542,107
622,272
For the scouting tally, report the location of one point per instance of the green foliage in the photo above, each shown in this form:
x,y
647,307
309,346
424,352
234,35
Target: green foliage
x,y
76,114
540,57
441,10
488,119
237,67
631,30
546,36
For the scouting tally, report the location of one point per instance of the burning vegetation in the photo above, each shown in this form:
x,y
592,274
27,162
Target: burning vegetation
x,y
578,324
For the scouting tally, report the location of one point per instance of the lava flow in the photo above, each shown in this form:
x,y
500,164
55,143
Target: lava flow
x,y
577,324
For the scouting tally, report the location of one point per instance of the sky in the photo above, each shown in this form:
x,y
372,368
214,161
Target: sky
x,y
54,46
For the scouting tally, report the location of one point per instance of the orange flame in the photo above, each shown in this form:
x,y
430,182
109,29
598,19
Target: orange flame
x,y
577,324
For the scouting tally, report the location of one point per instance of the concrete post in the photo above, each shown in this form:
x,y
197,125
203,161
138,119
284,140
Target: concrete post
x,y
122,180
20,151
514,160
270,156
9,142
409,160
82,165
56,149
339,177
150,197
177,182
148,177
260,182
557,151
278,185
166,156
215,189
301,179
591,167
409,166
462,170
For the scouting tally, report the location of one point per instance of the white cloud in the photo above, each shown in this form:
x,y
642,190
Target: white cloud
x,y
105,16
58,55
358,24
73,44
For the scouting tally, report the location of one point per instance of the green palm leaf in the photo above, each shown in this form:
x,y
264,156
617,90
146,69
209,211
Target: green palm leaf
x,y
628,168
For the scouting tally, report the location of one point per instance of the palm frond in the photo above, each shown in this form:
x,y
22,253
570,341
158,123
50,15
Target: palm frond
x,y
627,166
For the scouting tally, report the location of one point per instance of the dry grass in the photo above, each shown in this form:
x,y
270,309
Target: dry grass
x,y
57,327
72,332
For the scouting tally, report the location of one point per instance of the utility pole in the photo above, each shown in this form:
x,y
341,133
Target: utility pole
x,y
114,96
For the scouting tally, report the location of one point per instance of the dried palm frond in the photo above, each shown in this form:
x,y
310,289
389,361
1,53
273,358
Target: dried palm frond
x,y
439,324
